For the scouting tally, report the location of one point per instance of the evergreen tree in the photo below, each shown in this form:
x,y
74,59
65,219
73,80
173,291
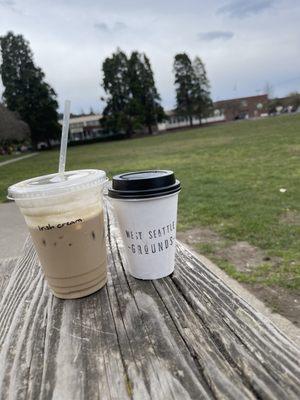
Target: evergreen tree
x,y
184,83
132,98
26,91
145,106
192,87
116,115
201,90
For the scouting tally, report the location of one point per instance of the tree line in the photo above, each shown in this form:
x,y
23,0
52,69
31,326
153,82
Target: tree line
x,y
131,97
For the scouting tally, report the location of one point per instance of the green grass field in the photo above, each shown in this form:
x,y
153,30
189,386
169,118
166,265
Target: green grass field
x,y
231,175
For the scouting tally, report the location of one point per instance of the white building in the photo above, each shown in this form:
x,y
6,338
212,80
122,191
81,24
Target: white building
x,y
175,121
89,126
84,127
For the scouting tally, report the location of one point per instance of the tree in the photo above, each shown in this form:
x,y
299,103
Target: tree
x,y
12,128
145,100
294,100
116,115
132,98
201,90
184,83
192,87
26,92
274,105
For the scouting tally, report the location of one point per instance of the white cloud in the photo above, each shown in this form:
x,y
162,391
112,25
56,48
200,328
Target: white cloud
x,y
215,35
70,40
102,26
245,8
116,27
7,3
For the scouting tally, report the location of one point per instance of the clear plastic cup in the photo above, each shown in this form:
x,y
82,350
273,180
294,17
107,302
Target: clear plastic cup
x,y
64,215
145,204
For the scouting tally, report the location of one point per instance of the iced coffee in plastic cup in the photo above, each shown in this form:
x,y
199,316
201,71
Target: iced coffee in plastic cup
x,y
145,204
64,214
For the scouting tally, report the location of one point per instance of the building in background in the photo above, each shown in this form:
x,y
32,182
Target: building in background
x,y
85,127
243,107
176,121
224,110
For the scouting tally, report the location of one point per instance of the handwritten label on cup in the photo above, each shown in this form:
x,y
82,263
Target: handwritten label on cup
x,y
49,226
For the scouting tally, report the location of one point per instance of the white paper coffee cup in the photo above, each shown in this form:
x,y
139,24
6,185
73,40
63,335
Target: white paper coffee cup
x,y
145,205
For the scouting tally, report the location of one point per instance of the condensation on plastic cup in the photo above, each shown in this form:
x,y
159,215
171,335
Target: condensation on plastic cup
x,y
145,206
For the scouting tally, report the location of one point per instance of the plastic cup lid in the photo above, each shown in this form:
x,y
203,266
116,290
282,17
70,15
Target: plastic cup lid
x,y
56,184
144,184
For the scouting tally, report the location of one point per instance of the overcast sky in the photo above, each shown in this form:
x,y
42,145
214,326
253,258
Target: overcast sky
x,y
244,43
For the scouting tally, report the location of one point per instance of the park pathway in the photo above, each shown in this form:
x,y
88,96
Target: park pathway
x,y
17,159
13,231
13,228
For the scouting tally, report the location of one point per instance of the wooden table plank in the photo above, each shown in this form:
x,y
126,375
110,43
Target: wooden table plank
x,y
187,336
6,267
236,329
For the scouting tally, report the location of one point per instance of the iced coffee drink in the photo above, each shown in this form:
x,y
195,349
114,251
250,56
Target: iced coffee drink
x,y
65,219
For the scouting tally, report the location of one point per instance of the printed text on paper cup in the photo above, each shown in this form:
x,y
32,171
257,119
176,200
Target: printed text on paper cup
x,y
151,241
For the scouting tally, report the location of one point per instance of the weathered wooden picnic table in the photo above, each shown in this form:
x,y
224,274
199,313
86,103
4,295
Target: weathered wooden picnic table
x,y
187,336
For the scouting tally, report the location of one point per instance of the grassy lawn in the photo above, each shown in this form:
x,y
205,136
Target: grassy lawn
x,y
231,175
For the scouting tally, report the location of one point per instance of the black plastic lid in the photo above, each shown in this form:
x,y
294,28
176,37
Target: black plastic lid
x,y
143,184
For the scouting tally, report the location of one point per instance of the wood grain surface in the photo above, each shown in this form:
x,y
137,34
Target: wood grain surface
x,y
187,336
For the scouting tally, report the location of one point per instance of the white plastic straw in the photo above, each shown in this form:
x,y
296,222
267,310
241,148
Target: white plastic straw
x,y
64,138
